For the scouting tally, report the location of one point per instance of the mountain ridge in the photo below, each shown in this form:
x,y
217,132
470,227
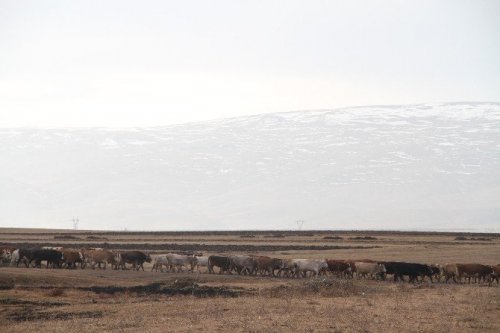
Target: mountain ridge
x,y
431,165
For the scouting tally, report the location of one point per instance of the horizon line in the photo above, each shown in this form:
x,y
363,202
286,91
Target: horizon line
x,y
250,115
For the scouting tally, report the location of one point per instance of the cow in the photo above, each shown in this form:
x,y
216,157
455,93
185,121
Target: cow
x,y
222,262
339,267
98,257
71,257
449,271
315,266
267,265
352,262
25,255
477,271
371,269
243,264
201,261
412,270
56,248
52,257
136,258
436,271
6,253
14,258
287,268
159,262
180,260
496,273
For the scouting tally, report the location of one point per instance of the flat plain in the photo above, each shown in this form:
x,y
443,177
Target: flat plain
x,y
63,300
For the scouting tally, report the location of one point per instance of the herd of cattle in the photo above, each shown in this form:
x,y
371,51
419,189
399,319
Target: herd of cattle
x,y
57,257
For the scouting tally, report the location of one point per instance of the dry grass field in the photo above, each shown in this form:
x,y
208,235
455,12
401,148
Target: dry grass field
x,y
62,300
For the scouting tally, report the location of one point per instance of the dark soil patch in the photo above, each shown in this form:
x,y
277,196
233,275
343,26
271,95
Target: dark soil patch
x,y
70,237
179,287
15,301
96,238
463,238
363,238
7,284
32,314
191,248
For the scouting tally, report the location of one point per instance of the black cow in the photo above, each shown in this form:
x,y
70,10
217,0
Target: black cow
x,y
25,255
224,263
136,258
412,270
53,258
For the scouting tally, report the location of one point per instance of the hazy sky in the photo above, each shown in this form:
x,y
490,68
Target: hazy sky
x,y
131,63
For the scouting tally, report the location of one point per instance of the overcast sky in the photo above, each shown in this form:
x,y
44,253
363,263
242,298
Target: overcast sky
x,y
131,63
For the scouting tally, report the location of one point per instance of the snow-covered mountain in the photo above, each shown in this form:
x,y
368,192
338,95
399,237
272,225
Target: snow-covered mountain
x,y
429,166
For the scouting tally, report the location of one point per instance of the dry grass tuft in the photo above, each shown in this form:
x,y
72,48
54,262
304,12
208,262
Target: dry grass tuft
x,y
7,284
333,287
56,292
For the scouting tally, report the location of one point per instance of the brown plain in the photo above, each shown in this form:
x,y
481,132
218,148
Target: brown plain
x,y
62,300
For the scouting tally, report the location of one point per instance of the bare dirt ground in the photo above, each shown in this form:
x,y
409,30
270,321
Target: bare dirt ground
x,y
61,300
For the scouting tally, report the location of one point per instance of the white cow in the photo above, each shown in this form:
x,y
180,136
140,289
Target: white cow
x,y
56,248
243,264
201,261
180,260
371,269
315,266
14,259
159,262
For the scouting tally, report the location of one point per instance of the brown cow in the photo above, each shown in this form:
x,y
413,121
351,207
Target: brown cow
x,y
477,271
71,257
496,273
339,267
6,253
268,265
99,257
449,271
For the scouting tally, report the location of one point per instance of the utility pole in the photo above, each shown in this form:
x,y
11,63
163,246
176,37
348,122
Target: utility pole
x,y
75,223
300,224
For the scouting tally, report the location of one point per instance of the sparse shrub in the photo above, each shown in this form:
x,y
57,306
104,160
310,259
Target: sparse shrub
x,y
331,287
185,282
332,237
461,238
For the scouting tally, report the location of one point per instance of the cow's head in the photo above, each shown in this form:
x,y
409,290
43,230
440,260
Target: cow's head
x,y
382,271
148,258
323,267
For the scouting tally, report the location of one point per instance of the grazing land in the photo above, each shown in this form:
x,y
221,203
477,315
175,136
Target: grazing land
x,y
86,300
